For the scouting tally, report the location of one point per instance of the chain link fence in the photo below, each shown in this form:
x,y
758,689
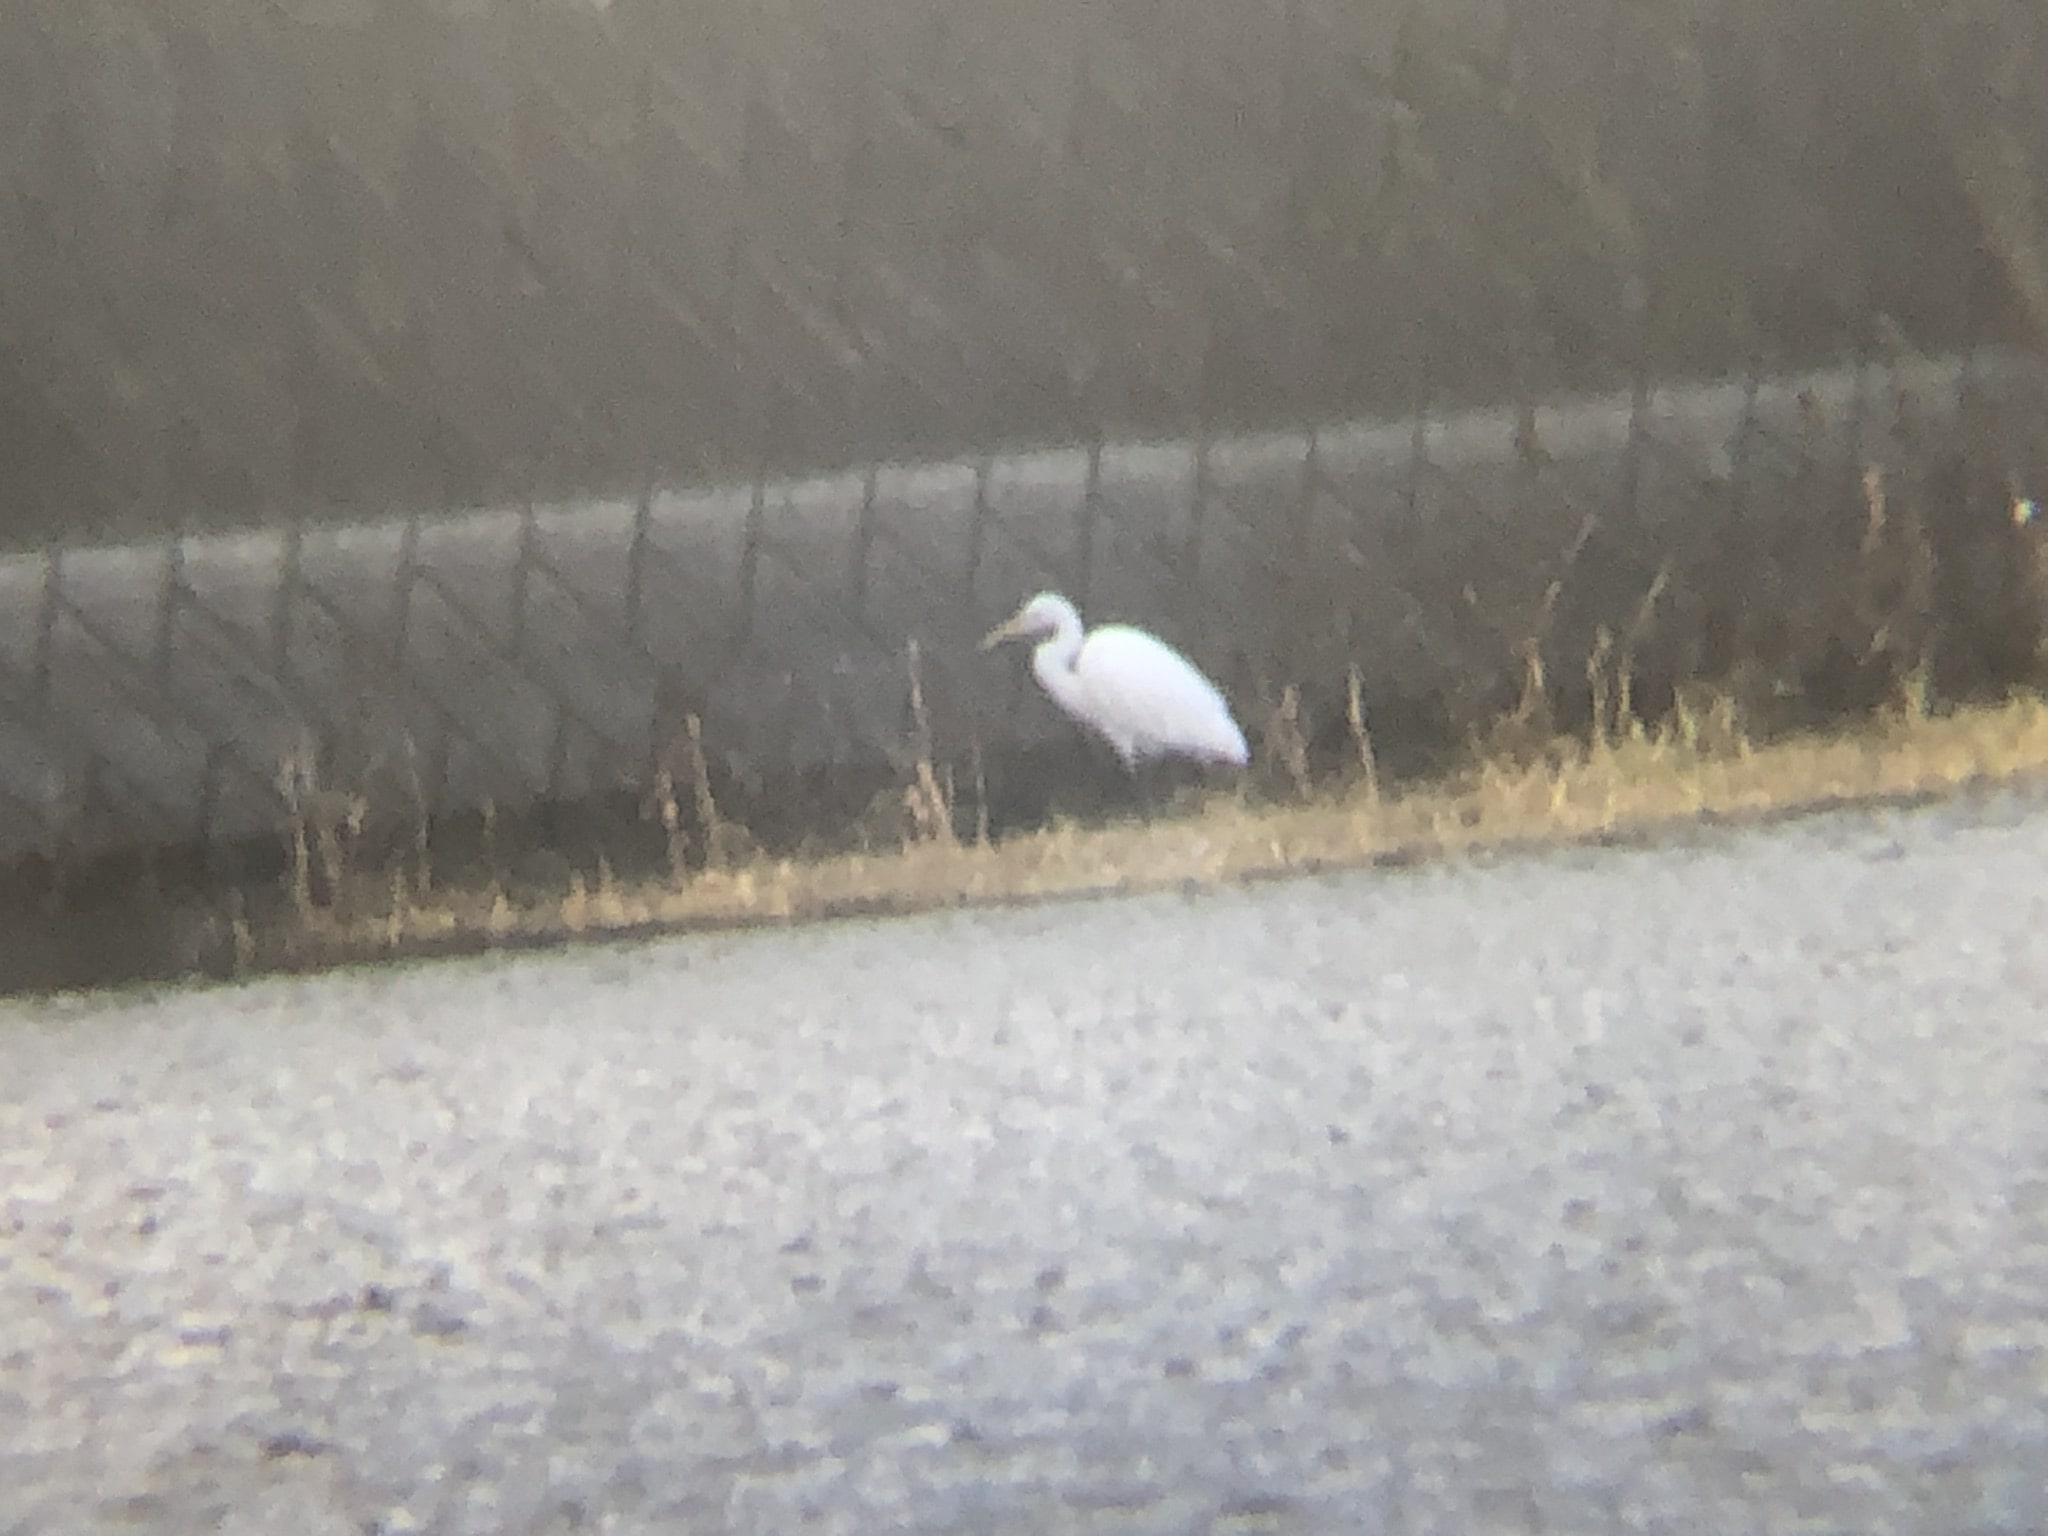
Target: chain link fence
x,y
1422,338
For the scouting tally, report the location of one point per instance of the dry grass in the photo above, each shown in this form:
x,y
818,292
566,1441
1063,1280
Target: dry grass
x,y
1628,782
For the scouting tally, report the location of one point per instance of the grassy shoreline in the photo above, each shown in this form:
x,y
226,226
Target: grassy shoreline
x,y
1631,787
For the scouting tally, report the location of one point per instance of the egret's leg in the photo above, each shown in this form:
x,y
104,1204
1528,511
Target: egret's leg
x,y
1138,787
1157,786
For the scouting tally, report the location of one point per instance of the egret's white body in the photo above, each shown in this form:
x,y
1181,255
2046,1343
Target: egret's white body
x,y
1130,688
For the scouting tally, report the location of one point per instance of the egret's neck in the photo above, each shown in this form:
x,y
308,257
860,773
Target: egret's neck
x,y
1053,660
1058,650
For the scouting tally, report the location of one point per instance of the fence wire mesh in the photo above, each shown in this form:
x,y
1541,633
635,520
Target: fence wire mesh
x,y
1315,334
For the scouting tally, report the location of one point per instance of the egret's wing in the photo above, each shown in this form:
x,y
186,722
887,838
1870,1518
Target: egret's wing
x,y
1148,700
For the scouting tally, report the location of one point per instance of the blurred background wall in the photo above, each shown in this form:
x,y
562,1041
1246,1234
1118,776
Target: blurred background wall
x,y
270,260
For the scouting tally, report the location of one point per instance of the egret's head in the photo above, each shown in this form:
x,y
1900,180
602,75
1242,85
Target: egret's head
x,y
1042,617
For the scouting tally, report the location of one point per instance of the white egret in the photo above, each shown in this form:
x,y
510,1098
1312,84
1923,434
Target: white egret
x,y
1130,688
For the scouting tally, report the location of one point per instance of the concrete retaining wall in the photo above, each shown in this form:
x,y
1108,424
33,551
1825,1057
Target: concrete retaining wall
x,y
1778,536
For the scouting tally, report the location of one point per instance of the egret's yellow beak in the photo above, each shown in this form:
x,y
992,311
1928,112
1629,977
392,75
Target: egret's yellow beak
x,y
1007,630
